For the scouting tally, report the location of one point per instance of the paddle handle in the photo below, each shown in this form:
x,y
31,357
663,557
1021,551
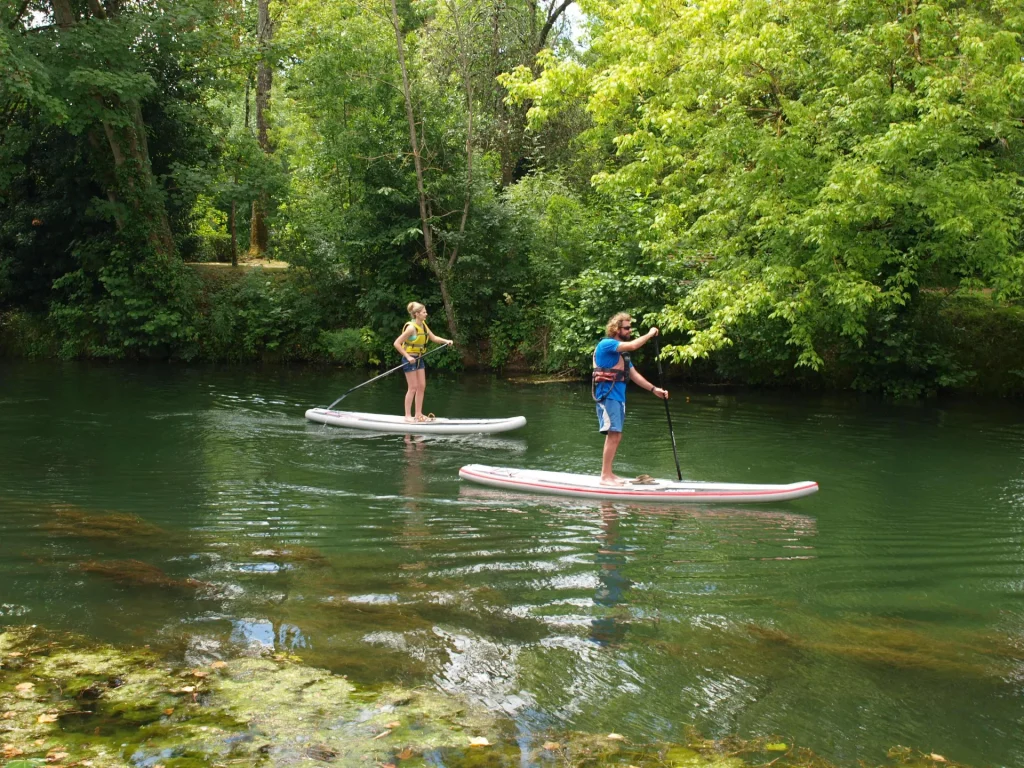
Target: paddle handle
x,y
381,376
668,413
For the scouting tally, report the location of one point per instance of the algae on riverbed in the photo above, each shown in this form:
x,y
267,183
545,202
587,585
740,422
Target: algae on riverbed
x,y
64,702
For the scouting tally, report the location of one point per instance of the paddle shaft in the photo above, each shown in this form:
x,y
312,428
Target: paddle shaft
x,y
377,378
668,413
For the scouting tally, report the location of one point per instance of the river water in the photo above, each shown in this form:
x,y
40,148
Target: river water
x,y
885,610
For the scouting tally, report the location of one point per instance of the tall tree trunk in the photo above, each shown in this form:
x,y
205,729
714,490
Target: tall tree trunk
x,y
258,233
234,237
440,269
467,83
129,183
513,118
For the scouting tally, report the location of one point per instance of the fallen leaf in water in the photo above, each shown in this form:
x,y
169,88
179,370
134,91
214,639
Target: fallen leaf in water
x,y
188,688
15,654
22,687
53,757
938,758
776,747
381,735
39,742
615,737
405,754
9,750
46,717
219,664
551,745
169,711
387,765
199,673
479,741
9,715
393,724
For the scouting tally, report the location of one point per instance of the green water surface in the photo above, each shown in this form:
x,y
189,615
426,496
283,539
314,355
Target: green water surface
x,y
885,610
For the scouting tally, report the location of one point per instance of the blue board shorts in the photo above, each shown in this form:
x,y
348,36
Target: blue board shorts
x,y
419,365
610,415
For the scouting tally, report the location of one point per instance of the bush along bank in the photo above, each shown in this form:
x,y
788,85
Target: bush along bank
x,y
65,701
960,343
939,343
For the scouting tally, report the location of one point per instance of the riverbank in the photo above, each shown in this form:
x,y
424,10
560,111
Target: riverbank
x,y
265,312
67,702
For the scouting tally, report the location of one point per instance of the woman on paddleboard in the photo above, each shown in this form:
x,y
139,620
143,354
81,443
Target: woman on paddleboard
x,y
411,345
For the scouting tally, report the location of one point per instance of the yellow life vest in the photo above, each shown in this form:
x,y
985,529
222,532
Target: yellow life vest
x,y
417,343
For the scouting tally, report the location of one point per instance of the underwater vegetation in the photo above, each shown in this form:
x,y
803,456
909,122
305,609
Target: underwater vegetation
x,y
115,526
66,702
136,573
901,645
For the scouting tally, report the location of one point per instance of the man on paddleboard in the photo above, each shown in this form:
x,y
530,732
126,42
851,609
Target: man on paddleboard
x,y
612,369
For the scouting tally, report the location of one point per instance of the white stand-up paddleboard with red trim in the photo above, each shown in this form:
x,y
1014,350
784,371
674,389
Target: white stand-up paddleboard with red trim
x,y
661,491
384,422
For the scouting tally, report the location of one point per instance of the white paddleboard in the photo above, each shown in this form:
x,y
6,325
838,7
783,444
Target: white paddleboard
x,y
383,422
664,491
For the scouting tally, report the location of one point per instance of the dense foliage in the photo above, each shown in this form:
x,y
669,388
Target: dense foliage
x,y
800,192
813,166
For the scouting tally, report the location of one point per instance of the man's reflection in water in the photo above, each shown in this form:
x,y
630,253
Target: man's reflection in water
x,y
611,615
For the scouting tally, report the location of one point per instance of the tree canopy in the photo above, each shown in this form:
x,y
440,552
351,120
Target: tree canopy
x,y
810,164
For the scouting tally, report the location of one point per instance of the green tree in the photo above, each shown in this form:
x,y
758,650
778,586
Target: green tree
x,y
105,104
812,164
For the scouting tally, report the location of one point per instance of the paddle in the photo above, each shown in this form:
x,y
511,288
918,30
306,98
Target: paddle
x,y
668,414
386,373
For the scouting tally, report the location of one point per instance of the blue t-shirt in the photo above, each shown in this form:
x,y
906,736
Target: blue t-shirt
x,y
606,356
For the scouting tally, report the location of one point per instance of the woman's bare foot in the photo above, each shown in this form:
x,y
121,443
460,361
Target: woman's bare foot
x,y
420,417
613,482
409,420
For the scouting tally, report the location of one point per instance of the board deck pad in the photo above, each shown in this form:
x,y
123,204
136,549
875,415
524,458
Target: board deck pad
x,y
384,422
663,491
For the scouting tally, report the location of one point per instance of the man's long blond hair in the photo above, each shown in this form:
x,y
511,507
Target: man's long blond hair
x,y
615,323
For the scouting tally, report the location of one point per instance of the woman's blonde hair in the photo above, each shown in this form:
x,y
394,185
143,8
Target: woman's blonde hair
x,y
414,307
615,323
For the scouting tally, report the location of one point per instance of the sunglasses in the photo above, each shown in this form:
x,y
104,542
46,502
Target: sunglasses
x,y
625,327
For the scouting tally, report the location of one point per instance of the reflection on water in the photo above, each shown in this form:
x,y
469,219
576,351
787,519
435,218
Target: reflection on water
x,y
197,511
262,632
613,588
